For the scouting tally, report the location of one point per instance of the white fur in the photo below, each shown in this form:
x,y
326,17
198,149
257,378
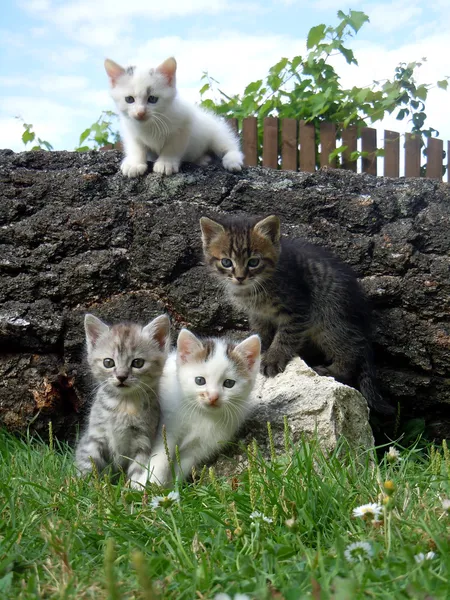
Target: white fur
x,y
172,129
197,428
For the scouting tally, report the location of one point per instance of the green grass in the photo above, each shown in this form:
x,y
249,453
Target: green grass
x,y
64,537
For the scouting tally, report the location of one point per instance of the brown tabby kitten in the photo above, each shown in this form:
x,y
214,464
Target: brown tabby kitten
x,y
298,297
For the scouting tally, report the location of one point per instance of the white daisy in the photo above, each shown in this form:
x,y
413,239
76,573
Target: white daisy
x,y
259,515
165,501
393,455
446,504
368,511
358,551
421,557
222,596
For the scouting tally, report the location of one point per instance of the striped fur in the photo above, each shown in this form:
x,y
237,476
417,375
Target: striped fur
x,y
201,418
299,298
124,415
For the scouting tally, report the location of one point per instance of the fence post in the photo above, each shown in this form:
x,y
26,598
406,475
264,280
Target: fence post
x,y
250,141
435,149
349,139
289,144
391,153
369,144
270,142
307,139
412,155
328,144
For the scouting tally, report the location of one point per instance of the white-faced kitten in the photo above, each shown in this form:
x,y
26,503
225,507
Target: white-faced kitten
x,y
154,118
126,362
204,395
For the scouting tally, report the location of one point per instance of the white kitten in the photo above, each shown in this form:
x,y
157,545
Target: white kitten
x,y
203,394
153,117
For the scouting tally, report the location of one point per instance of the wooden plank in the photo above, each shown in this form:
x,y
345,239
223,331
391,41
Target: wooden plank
x,y
327,143
307,139
250,141
369,144
391,153
349,139
233,123
289,144
448,162
270,142
412,155
435,149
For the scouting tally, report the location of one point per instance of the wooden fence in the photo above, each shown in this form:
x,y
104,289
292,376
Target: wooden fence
x,y
289,144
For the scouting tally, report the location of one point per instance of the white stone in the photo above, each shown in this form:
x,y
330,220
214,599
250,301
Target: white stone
x,y
314,405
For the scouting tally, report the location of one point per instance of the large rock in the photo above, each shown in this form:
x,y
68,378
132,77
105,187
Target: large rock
x,y
315,407
76,236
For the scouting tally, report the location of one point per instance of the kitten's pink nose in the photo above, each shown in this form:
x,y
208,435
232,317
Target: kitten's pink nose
x,y
140,114
213,398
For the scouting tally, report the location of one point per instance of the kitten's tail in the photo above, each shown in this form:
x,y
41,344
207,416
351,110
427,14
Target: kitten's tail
x,y
369,388
225,144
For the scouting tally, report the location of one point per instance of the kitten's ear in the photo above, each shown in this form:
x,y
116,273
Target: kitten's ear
x,y
210,229
168,69
159,331
250,351
269,228
114,71
94,328
188,346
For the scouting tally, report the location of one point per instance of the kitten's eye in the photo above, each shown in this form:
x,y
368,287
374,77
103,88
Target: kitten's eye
x,y
229,383
152,99
253,262
108,363
138,363
129,99
200,380
227,263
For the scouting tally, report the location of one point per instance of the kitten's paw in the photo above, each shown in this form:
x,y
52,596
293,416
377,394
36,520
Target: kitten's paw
x,y
322,371
233,161
166,167
273,365
131,168
139,482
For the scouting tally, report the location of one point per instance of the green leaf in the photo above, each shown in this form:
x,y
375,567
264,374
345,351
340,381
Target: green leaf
x,y
28,136
6,583
422,92
85,135
315,35
253,87
356,19
204,89
348,55
442,84
82,149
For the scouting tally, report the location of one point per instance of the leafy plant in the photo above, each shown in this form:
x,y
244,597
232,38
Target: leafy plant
x,y
309,88
29,136
100,133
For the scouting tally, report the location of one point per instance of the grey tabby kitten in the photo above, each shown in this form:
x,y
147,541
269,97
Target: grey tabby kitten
x,y
298,297
127,362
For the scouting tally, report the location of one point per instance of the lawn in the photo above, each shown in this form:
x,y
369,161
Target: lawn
x,y
284,529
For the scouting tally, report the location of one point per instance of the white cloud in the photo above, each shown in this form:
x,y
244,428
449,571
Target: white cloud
x,y
104,22
52,121
232,58
48,83
391,16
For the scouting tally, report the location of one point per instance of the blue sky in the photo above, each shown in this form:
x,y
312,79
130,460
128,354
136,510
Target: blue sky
x,y
52,51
